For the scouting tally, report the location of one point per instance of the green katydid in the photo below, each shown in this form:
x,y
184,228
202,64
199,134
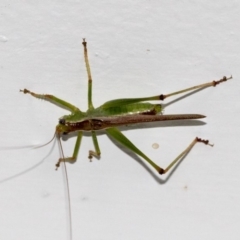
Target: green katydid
x,y
116,113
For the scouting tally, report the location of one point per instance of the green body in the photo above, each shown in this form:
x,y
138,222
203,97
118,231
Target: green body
x,y
106,110
120,110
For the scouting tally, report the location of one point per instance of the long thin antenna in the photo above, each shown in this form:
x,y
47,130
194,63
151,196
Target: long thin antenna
x,y
46,143
68,190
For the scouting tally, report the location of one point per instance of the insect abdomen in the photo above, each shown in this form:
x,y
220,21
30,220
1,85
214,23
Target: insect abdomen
x,y
135,108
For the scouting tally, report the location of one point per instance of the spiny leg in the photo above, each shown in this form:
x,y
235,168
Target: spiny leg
x,y
125,101
117,135
90,105
97,152
52,99
75,152
204,85
181,155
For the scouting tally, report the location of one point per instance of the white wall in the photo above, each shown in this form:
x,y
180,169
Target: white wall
x,y
136,48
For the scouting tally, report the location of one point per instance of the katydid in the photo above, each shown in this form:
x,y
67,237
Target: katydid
x,y
116,113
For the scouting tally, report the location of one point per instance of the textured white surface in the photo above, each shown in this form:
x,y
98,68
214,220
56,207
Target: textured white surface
x,y
136,48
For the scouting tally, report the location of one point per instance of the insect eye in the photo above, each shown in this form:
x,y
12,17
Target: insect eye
x,y
62,121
